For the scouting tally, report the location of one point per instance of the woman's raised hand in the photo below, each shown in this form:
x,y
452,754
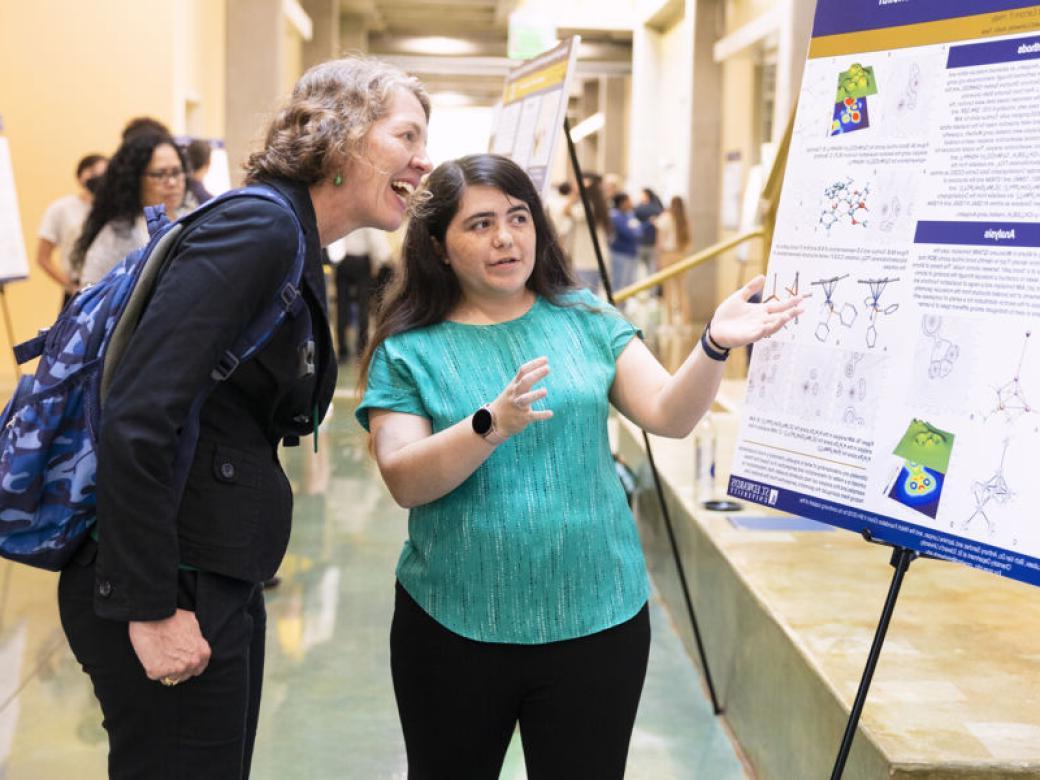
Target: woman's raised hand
x,y
737,321
512,409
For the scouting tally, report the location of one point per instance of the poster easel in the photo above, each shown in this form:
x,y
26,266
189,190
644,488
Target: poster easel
x,y
876,412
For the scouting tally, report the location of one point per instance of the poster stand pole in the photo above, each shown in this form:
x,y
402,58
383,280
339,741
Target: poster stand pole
x,y
901,559
9,327
591,224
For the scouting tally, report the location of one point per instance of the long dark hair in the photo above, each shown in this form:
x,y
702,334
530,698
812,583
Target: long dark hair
x,y
119,195
426,290
682,225
598,202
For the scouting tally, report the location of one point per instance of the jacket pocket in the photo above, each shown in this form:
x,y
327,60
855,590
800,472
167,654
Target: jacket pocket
x,y
223,498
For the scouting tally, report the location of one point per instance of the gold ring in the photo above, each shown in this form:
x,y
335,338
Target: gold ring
x,y
168,681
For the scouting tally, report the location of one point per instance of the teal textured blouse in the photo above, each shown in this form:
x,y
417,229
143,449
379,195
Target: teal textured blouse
x,y
538,544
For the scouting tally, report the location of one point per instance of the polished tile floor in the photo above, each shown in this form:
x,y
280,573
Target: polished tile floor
x,y
328,709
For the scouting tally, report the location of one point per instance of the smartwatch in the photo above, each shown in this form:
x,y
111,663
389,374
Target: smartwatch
x,y
484,425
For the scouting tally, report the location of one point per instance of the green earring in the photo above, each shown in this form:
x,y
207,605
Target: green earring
x,y
337,180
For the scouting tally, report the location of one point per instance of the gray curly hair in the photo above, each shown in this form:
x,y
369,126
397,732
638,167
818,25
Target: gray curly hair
x,y
331,109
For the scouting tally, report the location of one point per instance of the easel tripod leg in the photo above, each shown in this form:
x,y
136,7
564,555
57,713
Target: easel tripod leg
x,y
901,559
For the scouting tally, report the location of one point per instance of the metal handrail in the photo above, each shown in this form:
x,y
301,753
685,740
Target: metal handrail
x,y
684,265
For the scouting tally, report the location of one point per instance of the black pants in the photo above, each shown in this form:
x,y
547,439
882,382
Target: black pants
x,y
202,728
353,285
459,700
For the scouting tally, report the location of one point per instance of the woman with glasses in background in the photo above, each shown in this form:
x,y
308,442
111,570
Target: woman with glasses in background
x,y
146,170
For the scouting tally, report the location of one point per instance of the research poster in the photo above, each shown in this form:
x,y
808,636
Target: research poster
x,y
906,399
534,104
13,262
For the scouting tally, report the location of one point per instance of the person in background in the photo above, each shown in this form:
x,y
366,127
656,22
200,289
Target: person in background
x,y
357,258
198,153
674,243
146,170
521,591
646,212
144,125
163,608
63,221
612,185
624,243
556,206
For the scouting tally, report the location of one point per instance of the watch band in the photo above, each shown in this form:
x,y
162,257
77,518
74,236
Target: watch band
x,y
710,348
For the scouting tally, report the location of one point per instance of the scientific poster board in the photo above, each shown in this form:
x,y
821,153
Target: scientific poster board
x,y
13,261
906,399
534,103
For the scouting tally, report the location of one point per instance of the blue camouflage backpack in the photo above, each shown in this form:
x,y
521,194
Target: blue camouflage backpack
x,y
48,431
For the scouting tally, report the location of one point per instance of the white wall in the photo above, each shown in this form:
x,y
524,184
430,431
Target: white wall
x,y
659,143
458,131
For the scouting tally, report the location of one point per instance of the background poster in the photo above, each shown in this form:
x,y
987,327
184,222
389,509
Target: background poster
x,y
534,103
906,400
13,261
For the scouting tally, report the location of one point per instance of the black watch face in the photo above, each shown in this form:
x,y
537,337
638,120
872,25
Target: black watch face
x,y
482,421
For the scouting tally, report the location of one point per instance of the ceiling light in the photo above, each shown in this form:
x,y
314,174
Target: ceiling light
x,y
436,44
588,126
449,99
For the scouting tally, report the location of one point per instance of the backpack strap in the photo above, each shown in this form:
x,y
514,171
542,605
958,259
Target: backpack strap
x,y
288,301
31,349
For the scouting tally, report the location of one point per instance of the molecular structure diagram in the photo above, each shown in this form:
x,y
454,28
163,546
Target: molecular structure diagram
x,y
994,489
845,202
764,372
873,304
846,314
889,214
811,385
791,291
1011,401
944,352
908,100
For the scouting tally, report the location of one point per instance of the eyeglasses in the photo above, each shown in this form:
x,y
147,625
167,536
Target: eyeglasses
x,y
166,174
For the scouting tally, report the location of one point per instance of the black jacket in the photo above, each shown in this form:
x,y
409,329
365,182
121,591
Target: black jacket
x,y
235,515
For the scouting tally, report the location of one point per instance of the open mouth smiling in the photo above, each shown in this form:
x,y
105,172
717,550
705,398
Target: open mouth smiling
x,y
403,189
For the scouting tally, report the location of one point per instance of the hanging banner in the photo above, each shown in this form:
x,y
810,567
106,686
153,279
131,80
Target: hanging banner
x,y
905,401
530,118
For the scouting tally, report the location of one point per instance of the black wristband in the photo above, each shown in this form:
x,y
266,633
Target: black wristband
x,y
709,349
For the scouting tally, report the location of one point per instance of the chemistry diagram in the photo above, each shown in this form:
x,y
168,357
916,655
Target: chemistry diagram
x,y
831,314
943,353
850,112
923,455
873,305
845,202
835,388
988,494
1010,401
790,290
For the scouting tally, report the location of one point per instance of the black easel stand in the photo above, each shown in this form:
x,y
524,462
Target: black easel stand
x,y
902,557
591,223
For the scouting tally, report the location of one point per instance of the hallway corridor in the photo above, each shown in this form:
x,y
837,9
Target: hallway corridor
x,y
328,709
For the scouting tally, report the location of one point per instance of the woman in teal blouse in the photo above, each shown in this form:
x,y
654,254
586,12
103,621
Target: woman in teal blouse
x,y
522,589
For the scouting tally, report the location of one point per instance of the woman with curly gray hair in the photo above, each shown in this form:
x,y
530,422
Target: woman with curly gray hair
x,y
163,606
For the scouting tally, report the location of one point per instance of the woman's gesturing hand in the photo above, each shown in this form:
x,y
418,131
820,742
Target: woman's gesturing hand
x,y
512,409
737,321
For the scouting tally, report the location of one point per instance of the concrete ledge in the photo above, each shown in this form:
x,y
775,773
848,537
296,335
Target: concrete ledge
x,y
787,619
